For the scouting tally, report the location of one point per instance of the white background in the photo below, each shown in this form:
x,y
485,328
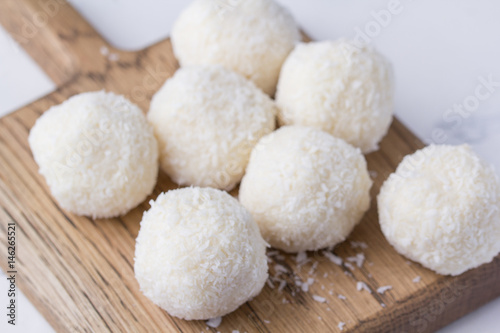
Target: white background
x,y
440,51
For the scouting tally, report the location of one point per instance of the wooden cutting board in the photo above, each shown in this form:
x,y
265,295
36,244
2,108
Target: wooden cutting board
x,y
79,272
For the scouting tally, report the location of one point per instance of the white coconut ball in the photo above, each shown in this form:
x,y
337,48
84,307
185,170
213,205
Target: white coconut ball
x,y
97,153
207,120
306,189
340,88
199,253
252,38
441,208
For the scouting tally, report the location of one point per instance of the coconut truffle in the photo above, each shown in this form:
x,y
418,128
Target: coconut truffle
x,y
97,153
199,253
340,88
441,208
207,120
306,189
252,38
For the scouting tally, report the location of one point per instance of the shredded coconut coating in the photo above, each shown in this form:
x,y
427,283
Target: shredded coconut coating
x,y
337,87
207,119
199,254
306,189
252,38
97,153
441,208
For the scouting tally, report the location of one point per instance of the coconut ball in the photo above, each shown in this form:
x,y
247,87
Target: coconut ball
x,y
199,253
97,153
441,208
340,88
252,38
306,189
207,120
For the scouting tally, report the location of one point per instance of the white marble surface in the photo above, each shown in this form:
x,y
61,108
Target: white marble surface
x,y
441,51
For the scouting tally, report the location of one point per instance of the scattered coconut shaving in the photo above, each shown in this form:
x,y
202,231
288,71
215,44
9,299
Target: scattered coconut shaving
x,y
267,321
282,285
417,279
359,259
214,322
104,50
383,289
361,245
382,305
319,299
280,268
341,326
349,265
333,258
360,285
113,57
301,257
342,297
313,268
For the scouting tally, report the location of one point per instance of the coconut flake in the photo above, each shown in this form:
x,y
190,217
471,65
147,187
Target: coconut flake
x,y
359,259
104,50
383,289
333,258
360,285
280,268
313,268
349,265
341,326
356,245
417,279
342,297
319,299
282,285
301,257
214,322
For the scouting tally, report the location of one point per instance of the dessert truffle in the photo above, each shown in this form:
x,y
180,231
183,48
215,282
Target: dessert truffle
x,y
199,253
252,38
340,88
306,189
441,208
207,120
97,153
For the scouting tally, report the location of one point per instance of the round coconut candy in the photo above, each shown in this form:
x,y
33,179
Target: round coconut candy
x,y
97,153
340,88
252,38
207,119
199,253
306,189
441,208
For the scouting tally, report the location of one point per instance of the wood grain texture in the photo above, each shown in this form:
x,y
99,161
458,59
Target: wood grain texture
x,y
79,272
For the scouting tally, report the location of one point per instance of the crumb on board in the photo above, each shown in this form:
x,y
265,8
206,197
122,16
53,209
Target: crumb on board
x,y
333,258
359,259
214,322
319,299
383,289
356,245
360,285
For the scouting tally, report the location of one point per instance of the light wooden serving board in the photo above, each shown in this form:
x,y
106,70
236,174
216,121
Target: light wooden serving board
x,y
79,272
